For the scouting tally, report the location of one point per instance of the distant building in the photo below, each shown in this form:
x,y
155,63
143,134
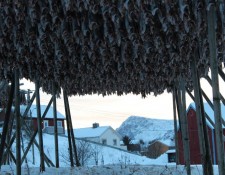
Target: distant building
x,y
105,135
48,122
171,153
155,149
195,156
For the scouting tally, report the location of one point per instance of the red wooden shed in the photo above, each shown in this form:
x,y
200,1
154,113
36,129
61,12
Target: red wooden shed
x,y
195,156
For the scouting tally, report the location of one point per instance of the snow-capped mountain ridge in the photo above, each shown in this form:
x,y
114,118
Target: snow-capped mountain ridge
x,y
147,129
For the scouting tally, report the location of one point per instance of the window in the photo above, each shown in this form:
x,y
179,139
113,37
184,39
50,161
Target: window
x,y
45,123
171,157
104,141
114,142
59,123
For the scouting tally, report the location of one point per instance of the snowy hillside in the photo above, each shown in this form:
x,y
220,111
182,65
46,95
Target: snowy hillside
x,y
148,129
106,155
111,162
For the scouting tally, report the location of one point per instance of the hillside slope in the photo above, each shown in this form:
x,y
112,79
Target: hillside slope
x,y
147,129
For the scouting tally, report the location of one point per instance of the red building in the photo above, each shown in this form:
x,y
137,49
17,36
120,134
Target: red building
x,y
195,156
48,122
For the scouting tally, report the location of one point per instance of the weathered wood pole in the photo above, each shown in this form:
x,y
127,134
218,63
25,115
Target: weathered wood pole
x,y
220,95
207,117
40,136
18,126
184,124
215,82
55,126
201,122
32,138
72,133
175,125
69,133
7,119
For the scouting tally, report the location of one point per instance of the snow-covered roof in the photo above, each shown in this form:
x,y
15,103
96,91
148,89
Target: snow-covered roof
x,y
209,112
90,132
33,112
171,151
168,142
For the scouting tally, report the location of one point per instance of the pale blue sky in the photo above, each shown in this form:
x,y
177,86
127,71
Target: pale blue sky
x,y
113,110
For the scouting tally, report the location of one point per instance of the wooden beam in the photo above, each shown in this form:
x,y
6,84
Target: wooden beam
x,y
68,131
32,138
175,125
28,106
7,119
10,152
26,128
183,124
220,95
18,126
211,17
55,126
40,136
72,133
201,122
193,98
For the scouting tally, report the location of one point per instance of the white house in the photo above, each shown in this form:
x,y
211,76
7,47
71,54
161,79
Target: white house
x,y
100,134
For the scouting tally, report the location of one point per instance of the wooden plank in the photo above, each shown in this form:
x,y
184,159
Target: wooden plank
x,y
18,126
55,126
211,17
72,132
68,131
183,123
220,96
10,152
201,122
40,136
175,125
7,119
32,138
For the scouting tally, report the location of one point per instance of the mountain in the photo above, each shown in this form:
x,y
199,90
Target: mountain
x,y
148,130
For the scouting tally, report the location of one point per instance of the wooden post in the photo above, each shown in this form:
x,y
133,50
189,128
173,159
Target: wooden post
x,y
38,107
69,132
220,95
201,122
55,126
10,153
72,133
175,125
32,138
205,96
18,127
7,119
184,124
211,16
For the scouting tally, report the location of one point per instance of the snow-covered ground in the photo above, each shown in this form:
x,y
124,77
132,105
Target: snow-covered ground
x,y
110,170
107,155
111,162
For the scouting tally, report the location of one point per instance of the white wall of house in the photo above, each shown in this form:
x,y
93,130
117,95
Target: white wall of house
x,y
110,137
94,139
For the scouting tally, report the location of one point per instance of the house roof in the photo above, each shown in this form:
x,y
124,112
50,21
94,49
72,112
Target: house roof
x,y
90,131
209,112
33,112
171,151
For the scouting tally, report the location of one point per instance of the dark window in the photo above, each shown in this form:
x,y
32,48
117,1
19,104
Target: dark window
x,y
171,157
104,141
114,142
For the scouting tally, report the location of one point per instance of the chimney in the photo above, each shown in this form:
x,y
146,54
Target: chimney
x,y
95,125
